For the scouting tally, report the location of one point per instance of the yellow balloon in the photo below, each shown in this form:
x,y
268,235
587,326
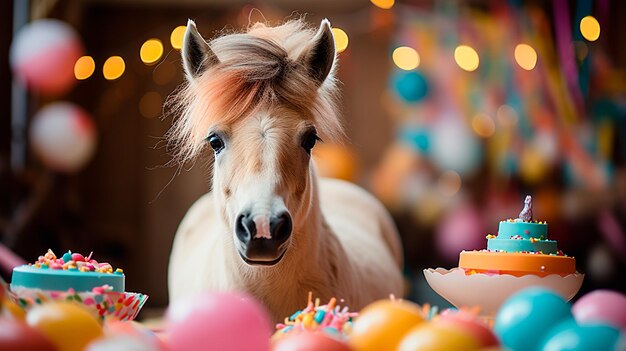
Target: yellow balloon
x,y
11,310
437,337
533,166
382,324
67,325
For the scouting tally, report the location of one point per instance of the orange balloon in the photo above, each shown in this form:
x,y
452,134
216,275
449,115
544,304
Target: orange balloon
x,y
335,161
382,325
11,310
67,325
533,165
438,337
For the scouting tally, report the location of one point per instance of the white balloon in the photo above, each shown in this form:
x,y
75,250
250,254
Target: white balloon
x,y
547,145
63,136
600,265
454,147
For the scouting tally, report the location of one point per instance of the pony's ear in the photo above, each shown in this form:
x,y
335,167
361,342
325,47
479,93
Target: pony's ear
x,y
197,54
321,56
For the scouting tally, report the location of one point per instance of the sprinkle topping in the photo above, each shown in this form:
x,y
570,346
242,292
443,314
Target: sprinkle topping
x,y
73,262
329,318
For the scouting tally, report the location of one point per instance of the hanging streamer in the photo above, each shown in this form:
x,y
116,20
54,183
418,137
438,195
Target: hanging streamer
x,y
566,50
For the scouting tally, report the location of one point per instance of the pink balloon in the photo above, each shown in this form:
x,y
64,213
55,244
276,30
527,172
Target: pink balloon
x,y
605,306
309,341
43,54
461,230
218,321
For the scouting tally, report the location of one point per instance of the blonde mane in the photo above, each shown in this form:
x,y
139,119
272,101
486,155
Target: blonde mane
x,y
258,69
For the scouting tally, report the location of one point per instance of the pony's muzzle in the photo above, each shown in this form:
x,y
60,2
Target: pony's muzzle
x,y
258,248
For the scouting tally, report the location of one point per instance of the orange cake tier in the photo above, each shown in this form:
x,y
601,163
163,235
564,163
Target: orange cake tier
x,y
516,263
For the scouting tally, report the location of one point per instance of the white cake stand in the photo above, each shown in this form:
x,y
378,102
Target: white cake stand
x,y
489,291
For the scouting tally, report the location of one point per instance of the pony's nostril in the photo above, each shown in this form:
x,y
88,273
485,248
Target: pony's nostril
x,y
245,228
280,227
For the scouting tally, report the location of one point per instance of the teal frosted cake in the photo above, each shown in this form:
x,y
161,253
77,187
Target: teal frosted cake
x,y
521,247
517,236
71,271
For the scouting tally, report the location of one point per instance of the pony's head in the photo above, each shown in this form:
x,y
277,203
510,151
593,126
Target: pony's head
x,y
260,100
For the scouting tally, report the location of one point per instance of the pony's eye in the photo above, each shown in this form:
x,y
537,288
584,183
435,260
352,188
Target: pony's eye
x,y
309,141
217,144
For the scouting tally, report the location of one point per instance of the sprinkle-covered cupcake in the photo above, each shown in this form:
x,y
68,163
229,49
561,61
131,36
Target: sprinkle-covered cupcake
x,y
74,277
70,271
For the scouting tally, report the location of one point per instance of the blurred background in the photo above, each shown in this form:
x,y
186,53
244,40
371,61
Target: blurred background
x,y
455,110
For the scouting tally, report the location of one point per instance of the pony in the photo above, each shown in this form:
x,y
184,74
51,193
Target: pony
x,y
260,100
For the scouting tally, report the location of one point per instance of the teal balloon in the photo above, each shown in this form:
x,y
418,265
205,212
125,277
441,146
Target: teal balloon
x,y
569,336
411,86
510,163
527,316
419,138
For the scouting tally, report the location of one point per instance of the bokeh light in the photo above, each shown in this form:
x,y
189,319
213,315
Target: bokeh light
x,y
507,116
483,125
151,104
336,161
151,51
590,28
176,38
449,183
383,4
581,50
525,56
406,58
466,57
164,73
84,67
411,86
533,166
341,39
113,67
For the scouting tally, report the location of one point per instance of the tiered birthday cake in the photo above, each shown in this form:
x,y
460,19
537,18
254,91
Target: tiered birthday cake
x,y
521,247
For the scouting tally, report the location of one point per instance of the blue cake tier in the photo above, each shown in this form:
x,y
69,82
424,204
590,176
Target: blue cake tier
x,y
522,245
62,280
525,230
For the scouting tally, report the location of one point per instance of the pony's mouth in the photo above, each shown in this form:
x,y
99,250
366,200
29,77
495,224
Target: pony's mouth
x,y
260,262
